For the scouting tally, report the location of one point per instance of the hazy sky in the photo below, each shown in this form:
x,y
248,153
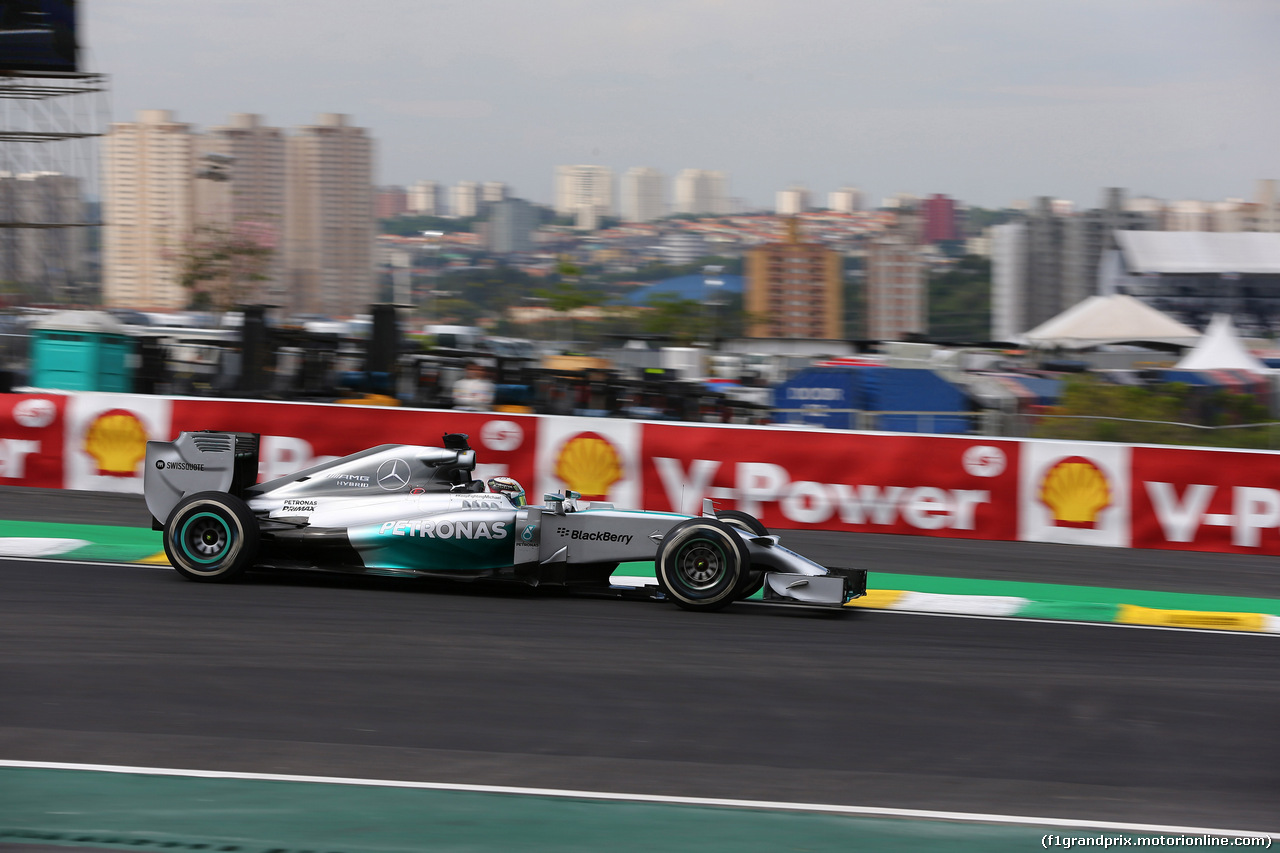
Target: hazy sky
x,y
989,101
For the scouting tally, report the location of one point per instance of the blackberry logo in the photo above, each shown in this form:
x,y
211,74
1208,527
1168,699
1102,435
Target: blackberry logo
x,y
596,536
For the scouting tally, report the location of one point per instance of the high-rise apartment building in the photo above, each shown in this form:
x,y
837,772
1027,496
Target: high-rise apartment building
x,y
1088,235
390,201
511,224
579,187
426,198
148,210
1044,265
941,222
243,189
330,228
308,197
464,199
792,201
897,296
492,192
1265,210
700,192
252,175
794,289
1008,274
643,194
845,200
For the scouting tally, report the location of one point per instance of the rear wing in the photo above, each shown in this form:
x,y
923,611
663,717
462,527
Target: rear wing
x,y
204,461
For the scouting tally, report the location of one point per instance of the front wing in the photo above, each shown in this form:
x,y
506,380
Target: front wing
x,y
836,588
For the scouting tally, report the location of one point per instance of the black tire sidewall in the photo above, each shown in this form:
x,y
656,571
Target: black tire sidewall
x,y
716,534
745,520
752,579
242,537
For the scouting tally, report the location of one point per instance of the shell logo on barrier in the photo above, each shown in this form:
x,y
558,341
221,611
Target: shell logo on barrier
x,y
1075,490
117,441
589,464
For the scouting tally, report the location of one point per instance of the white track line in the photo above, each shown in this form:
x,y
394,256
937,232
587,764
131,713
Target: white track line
x,y
765,805
65,562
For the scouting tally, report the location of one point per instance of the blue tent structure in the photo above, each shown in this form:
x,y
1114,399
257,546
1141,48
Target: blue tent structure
x,y
686,287
835,397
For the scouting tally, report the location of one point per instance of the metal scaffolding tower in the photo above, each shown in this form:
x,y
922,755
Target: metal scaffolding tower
x,y
49,121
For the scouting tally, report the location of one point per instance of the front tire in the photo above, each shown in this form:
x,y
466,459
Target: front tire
x,y
752,580
211,537
701,564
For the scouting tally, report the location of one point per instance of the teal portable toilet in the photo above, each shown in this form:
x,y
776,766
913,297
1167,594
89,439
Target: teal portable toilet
x,y
81,351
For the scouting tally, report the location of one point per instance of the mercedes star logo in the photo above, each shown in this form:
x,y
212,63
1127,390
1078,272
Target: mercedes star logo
x,y
393,474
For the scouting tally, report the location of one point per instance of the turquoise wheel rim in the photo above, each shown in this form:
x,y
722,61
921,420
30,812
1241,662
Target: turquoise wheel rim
x,y
700,565
205,538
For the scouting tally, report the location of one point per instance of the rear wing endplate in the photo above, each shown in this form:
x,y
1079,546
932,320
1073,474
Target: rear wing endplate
x,y
204,461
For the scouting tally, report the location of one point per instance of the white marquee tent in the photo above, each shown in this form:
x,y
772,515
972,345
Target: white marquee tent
x,y
1116,319
1221,349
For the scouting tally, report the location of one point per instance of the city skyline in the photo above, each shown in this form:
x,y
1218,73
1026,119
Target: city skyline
x,y
306,197
989,102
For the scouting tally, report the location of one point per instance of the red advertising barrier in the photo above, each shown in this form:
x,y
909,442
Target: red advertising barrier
x,y
1206,500
965,487
297,435
927,485
98,441
31,438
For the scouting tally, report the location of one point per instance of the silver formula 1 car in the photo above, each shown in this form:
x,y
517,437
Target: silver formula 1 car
x,y
407,510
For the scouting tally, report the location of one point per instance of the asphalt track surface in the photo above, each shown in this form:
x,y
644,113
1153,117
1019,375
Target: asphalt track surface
x,y
387,679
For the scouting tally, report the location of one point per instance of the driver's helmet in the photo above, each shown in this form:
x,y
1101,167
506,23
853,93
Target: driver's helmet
x,y
509,487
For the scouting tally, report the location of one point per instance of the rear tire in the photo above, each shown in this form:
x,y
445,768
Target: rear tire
x,y
752,580
211,537
701,564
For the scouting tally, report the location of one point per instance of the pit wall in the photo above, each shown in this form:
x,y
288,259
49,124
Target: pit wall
x,y
952,486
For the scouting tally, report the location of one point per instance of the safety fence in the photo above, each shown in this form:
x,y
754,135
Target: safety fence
x,y
1263,435
963,486
869,420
